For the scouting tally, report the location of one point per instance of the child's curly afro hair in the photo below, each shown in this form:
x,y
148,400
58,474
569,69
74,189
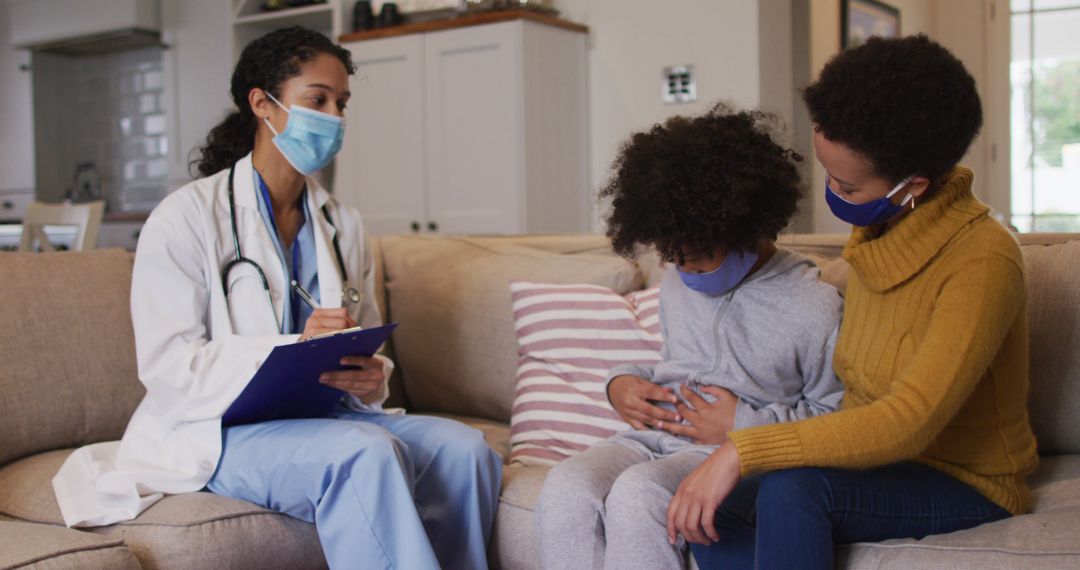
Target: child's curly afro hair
x,y
695,184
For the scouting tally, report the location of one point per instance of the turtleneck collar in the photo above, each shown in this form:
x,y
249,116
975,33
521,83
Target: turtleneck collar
x,y
885,261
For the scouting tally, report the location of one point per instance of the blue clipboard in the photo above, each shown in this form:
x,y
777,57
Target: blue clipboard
x,y
287,386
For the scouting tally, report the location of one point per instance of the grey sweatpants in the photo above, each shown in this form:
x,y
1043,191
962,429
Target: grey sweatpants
x,y
607,507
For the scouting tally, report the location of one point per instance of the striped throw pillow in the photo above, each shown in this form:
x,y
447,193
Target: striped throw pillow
x,y
569,337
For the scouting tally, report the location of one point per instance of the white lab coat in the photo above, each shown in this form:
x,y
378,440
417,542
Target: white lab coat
x,y
195,351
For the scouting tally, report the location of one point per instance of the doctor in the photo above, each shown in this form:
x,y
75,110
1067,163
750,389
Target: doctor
x,y
211,297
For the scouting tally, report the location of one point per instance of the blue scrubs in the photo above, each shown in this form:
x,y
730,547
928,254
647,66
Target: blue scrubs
x,y
384,491
298,261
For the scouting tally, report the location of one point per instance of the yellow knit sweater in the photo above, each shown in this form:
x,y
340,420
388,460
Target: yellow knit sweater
x,y
933,352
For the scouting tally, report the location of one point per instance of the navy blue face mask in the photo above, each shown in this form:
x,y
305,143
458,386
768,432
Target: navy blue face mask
x,y
871,213
735,267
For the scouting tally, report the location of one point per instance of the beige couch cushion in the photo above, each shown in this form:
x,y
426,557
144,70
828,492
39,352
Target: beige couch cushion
x,y
513,544
1054,323
67,349
194,530
45,547
1043,540
496,434
456,345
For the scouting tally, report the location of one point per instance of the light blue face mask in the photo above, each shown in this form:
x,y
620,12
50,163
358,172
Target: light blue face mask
x,y
311,138
735,267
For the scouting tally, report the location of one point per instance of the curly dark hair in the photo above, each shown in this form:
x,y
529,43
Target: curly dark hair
x,y
695,184
265,63
906,104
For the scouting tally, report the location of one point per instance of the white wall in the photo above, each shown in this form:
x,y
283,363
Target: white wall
x,y
977,32
17,130
630,42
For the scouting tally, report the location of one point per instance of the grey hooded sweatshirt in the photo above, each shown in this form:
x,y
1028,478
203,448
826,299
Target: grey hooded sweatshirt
x,y
770,341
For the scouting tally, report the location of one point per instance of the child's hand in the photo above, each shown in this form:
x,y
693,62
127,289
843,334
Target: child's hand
x,y
630,395
709,423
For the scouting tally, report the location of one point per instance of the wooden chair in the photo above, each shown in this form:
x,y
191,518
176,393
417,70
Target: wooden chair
x,y
86,217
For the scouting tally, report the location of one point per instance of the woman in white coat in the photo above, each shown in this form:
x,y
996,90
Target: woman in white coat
x,y
210,299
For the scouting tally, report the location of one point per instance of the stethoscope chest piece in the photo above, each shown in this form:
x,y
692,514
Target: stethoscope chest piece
x,y
353,295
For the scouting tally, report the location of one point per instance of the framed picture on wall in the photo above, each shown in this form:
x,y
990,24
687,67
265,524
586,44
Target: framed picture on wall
x,y
860,19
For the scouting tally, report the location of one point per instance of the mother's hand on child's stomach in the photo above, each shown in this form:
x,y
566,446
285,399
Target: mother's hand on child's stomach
x,y
631,396
709,422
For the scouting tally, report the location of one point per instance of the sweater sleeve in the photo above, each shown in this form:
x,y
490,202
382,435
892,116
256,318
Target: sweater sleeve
x,y
973,311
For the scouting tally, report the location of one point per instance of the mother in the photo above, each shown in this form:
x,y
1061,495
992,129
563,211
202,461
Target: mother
x,y
933,434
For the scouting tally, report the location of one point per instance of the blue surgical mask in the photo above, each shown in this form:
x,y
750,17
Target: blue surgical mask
x,y
310,139
735,267
869,214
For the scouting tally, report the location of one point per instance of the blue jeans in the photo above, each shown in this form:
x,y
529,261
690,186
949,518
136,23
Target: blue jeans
x,y
792,518
383,491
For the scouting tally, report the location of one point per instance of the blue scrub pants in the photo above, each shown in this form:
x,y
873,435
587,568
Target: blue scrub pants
x,y
384,491
792,518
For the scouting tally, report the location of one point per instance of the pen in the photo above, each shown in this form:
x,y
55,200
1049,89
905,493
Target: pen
x,y
304,295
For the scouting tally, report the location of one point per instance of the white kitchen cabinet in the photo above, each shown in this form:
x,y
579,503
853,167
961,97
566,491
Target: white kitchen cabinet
x,y
16,114
384,143
478,129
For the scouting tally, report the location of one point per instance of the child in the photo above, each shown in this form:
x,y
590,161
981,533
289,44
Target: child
x,y
748,331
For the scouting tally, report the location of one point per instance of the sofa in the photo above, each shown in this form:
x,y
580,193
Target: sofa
x,y
68,377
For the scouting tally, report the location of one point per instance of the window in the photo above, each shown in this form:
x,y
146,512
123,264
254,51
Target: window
x,y
1045,111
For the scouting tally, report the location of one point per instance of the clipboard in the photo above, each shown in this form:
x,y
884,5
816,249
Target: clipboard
x,y
287,386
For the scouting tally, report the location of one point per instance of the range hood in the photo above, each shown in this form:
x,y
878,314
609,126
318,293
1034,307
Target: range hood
x,y
84,27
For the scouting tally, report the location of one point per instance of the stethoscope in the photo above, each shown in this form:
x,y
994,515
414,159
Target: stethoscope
x,y
350,294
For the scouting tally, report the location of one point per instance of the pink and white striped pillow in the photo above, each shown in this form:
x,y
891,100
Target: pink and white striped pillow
x,y
569,337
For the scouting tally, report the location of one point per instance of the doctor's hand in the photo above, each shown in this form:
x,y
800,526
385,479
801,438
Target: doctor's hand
x,y
693,508
324,321
362,381
631,396
709,423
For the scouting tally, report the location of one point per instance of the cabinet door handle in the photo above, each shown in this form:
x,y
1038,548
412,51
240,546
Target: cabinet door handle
x,y
9,205
432,226
415,227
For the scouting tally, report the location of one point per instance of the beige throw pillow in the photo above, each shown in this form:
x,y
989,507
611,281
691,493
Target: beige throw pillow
x,y
455,344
